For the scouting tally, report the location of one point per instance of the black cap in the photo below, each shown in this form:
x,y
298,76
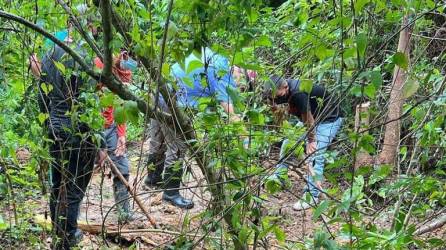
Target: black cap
x,y
276,80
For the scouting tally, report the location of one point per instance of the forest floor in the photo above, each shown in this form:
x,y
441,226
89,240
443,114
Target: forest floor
x,y
298,225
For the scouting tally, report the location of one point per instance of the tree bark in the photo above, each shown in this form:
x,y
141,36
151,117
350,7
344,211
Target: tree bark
x,y
396,101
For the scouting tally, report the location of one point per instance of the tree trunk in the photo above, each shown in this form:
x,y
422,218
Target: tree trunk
x,y
396,100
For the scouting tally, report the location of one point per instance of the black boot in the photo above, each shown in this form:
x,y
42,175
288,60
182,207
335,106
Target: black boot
x,y
155,165
123,202
177,200
172,180
75,238
67,242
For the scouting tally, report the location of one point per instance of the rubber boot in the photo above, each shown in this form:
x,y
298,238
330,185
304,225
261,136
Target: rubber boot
x,y
122,200
155,165
172,180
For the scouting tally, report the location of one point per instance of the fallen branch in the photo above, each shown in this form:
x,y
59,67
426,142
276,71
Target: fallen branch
x,y
439,222
83,225
151,230
118,174
113,230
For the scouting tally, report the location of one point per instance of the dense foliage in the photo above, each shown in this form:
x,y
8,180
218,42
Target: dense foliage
x,y
348,46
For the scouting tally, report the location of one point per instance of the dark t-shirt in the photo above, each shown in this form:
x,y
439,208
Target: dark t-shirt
x,y
323,107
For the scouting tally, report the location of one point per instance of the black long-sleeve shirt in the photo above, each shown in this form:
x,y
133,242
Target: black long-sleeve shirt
x,y
63,91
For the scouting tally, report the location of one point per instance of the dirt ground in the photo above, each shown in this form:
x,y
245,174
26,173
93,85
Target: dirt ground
x,y
297,225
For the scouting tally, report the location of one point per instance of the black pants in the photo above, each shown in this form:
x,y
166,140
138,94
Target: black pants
x,y
71,172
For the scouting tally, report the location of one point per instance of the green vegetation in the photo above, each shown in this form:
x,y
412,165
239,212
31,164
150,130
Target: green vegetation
x,y
385,174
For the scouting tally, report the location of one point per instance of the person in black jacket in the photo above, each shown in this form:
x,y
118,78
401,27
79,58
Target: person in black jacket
x,y
321,115
72,145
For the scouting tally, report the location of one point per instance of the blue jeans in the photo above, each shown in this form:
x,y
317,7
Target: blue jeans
x,y
121,162
325,133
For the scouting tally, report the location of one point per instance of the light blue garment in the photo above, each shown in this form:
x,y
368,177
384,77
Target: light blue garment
x,y
203,81
325,133
129,64
61,35
219,62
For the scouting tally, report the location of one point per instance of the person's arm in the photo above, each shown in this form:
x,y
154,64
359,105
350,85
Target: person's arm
x,y
36,67
121,144
229,109
308,120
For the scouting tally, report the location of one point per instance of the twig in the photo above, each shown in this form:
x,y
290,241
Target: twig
x,y
118,174
78,26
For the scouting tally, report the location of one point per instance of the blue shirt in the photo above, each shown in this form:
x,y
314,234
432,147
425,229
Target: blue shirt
x,y
200,81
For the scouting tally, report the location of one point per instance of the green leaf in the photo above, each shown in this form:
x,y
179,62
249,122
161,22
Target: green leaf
x,y
243,234
106,100
119,115
253,15
42,117
194,64
381,172
188,81
46,88
255,117
360,5
361,42
410,88
322,52
273,185
264,41
131,111
320,209
376,78
280,234
306,85
370,91
165,70
135,33
3,224
172,31
401,60
235,98
60,67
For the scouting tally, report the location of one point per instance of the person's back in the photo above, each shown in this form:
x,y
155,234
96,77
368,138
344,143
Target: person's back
x,y
58,100
211,79
318,101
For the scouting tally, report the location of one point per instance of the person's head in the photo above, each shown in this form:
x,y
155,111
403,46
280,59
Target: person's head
x,y
277,89
125,61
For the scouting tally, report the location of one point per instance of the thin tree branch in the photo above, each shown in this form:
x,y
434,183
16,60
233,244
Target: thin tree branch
x,y
163,46
79,28
108,36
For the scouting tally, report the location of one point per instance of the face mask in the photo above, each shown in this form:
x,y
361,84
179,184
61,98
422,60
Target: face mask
x,y
129,64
